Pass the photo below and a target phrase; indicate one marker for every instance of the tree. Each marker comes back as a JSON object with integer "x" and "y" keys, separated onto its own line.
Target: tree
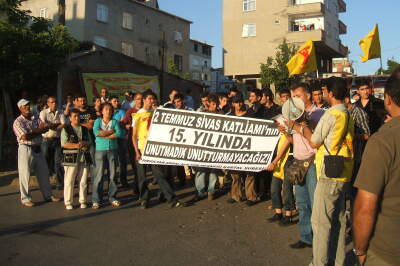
{"x": 31, "y": 54}
{"x": 172, "y": 68}
{"x": 391, "y": 66}
{"x": 274, "y": 71}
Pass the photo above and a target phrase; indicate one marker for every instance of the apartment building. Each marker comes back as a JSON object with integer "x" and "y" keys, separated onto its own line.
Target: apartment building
{"x": 200, "y": 58}
{"x": 253, "y": 29}
{"x": 135, "y": 28}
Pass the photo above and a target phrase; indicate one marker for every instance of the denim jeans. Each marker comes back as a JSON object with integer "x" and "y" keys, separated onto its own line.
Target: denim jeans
{"x": 305, "y": 200}
{"x": 329, "y": 222}
{"x": 276, "y": 196}
{"x": 288, "y": 195}
{"x": 104, "y": 158}
{"x": 159, "y": 173}
{"x": 122, "y": 160}
{"x": 200, "y": 180}
{"x": 51, "y": 149}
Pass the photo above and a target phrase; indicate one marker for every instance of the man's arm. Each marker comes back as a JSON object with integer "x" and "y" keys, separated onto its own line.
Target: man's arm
{"x": 89, "y": 125}
{"x": 365, "y": 209}
{"x": 281, "y": 152}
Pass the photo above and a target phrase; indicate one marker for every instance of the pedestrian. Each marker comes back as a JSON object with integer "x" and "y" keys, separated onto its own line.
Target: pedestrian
{"x": 140, "y": 129}
{"x": 107, "y": 132}
{"x": 376, "y": 214}
{"x": 75, "y": 141}
{"x": 333, "y": 137}
{"x": 201, "y": 172}
{"x": 317, "y": 98}
{"x": 303, "y": 164}
{"x": 373, "y": 106}
{"x": 171, "y": 97}
{"x": 128, "y": 103}
{"x": 204, "y": 102}
{"x": 51, "y": 139}
{"x": 243, "y": 183}
{"x": 119, "y": 115}
{"x": 271, "y": 108}
{"x": 104, "y": 97}
{"x": 28, "y": 131}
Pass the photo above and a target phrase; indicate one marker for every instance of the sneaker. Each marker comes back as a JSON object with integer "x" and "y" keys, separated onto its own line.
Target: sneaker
{"x": 69, "y": 207}
{"x": 196, "y": 198}
{"x": 231, "y": 201}
{"x": 277, "y": 217}
{"x": 286, "y": 221}
{"x": 144, "y": 204}
{"x": 83, "y": 205}
{"x": 300, "y": 245}
{"x": 178, "y": 204}
{"x": 53, "y": 199}
{"x": 95, "y": 206}
{"x": 28, "y": 204}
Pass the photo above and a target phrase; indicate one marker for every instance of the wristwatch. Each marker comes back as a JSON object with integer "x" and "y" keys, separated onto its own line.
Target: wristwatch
{"x": 359, "y": 254}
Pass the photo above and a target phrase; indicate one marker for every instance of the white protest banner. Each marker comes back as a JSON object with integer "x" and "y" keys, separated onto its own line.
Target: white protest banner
{"x": 179, "y": 137}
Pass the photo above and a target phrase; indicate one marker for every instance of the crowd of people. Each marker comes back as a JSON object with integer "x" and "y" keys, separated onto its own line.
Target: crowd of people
{"x": 337, "y": 147}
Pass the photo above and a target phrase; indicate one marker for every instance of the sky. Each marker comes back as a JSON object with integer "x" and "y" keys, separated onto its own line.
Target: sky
{"x": 360, "y": 19}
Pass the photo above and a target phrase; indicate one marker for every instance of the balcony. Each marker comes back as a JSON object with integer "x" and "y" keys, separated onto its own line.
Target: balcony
{"x": 311, "y": 9}
{"x": 342, "y": 6}
{"x": 343, "y": 50}
{"x": 342, "y": 28}
{"x": 303, "y": 36}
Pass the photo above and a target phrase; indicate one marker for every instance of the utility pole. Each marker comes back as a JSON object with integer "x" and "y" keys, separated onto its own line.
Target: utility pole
{"x": 61, "y": 12}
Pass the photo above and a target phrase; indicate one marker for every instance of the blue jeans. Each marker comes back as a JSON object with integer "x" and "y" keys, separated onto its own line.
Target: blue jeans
{"x": 104, "y": 158}
{"x": 200, "y": 180}
{"x": 305, "y": 200}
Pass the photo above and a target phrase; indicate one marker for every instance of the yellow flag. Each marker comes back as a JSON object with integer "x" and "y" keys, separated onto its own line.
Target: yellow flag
{"x": 371, "y": 45}
{"x": 304, "y": 60}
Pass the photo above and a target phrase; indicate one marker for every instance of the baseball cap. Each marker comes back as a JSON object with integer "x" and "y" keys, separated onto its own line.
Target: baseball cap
{"x": 22, "y": 102}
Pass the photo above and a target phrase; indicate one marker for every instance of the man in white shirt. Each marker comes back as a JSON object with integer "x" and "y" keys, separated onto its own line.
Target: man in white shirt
{"x": 51, "y": 146}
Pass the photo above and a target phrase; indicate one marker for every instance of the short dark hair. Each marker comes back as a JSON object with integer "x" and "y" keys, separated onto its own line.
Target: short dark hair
{"x": 303, "y": 85}
{"x": 392, "y": 87}
{"x": 80, "y": 95}
{"x": 96, "y": 98}
{"x": 149, "y": 92}
{"x": 234, "y": 89}
{"x": 114, "y": 97}
{"x": 316, "y": 88}
{"x": 268, "y": 93}
{"x": 222, "y": 95}
{"x": 204, "y": 95}
{"x": 338, "y": 87}
{"x": 283, "y": 91}
{"x": 238, "y": 98}
{"x": 213, "y": 98}
{"x": 73, "y": 111}
{"x": 106, "y": 104}
{"x": 179, "y": 96}
{"x": 257, "y": 92}
{"x": 363, "y": 82}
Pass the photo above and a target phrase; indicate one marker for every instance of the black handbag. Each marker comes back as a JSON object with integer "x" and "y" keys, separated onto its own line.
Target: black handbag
{"x": 334, "y": 164}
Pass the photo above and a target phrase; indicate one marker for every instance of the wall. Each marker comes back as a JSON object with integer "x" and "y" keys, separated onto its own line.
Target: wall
{"x": 147, "y": 33}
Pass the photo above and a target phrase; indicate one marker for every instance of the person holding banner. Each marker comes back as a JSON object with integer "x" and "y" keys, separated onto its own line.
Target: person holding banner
{"x": 107, "y": 132}
{"x": 243, "y": 183}
{"x": 140, "y": 129}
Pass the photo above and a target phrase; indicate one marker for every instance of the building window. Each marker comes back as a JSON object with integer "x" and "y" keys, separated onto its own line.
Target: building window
{"x": 147, "y": 51}
{"x": 205, "y": 64}
{"x": 178, "y": 61}
{"x": 196, "y": 47}
{"x": 102, "y": 13}
{"x": 249, "y": 5}
{"x": 43, "y": 13}
{"x": 127, "y": 20}
{"x": 206, "y": 50}
{"x": 146, "y": 20}
{"x": 101, "y": 41}
{"x": 249, "y": 30}
{"x": 127, "y": 49}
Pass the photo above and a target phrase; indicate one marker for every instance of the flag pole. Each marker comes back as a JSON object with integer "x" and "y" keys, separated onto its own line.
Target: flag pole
{"x": 380, "y": 59}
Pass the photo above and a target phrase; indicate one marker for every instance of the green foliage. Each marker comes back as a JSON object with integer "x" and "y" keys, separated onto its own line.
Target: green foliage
{"x": 31, "y": 55}
{"x": 172, "y": 68}
{"x": 274, "y": 70}
{"x": 391, "y": 66}
{"x": 186, "y": 76}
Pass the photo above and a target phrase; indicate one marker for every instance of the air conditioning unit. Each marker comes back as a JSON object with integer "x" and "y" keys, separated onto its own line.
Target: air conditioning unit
{"x": 178, "y": 38}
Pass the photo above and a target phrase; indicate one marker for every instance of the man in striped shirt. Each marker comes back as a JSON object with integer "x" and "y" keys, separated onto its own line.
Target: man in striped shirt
{"x": 29, "y": 136}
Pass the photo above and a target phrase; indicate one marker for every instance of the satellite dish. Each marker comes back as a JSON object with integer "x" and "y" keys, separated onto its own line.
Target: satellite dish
{"x": 293, "y": 109}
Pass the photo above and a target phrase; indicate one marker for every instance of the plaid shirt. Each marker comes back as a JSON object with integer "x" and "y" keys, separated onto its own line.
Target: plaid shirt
{"x": 24, "y": 126}
{"x": 361, "y": 120}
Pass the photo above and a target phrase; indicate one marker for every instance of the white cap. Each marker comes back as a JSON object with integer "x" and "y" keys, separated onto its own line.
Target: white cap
{"x": 22, "y": 102}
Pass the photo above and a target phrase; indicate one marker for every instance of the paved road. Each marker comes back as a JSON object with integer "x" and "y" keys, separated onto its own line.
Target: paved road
{"x": 207, "y": 233}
